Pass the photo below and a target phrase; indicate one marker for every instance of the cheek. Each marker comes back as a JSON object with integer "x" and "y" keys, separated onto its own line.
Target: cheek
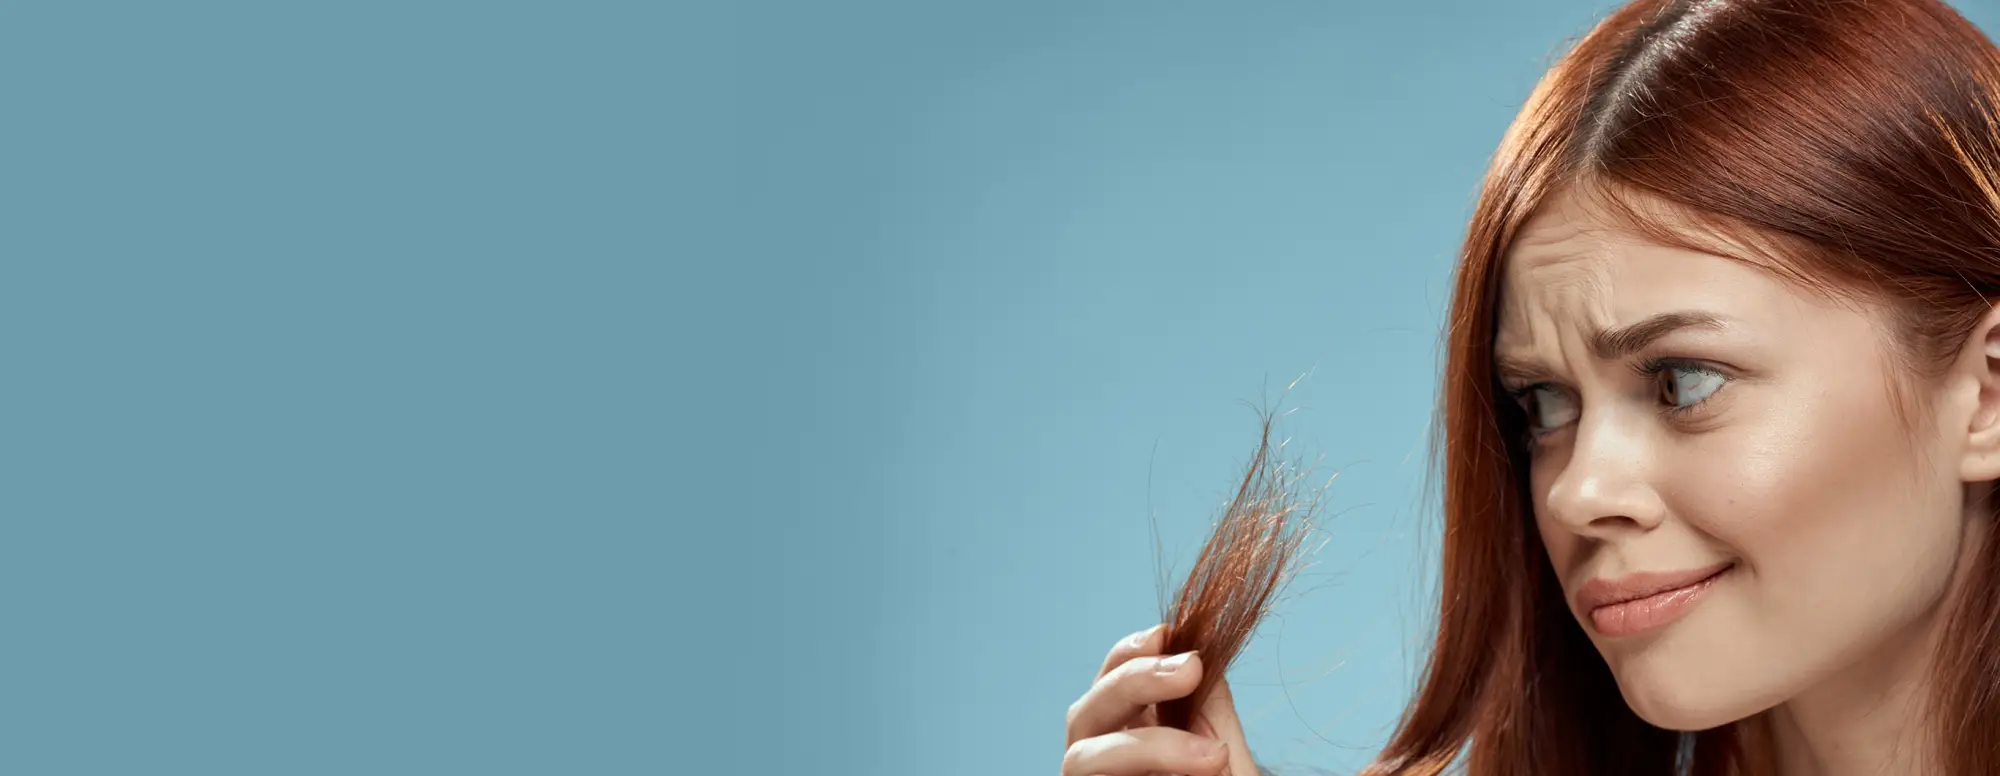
{"x": 1818, "y": 484}
{"x": 1844, "y": 536}
{"x": 1561, "y": 543}
{"x": 1562, "y": 546}
{"x": 1845, "y": 531}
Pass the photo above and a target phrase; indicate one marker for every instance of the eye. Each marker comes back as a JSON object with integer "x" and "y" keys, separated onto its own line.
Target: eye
{"x": 1549, "y": 408}
{"x": 1685, "y": 385}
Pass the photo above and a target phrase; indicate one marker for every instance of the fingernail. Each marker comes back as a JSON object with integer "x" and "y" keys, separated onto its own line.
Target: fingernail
{"x": 1174, "y": 663}
{"x": 1139, "y": 639}
{"x": 1208, "y": 748}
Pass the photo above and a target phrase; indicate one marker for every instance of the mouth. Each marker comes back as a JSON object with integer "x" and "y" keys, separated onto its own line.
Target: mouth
{"x": 1638, "y": 603}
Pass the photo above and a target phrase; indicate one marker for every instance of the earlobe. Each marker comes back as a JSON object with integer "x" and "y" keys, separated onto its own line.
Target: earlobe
{"x": 1982, "y": 360}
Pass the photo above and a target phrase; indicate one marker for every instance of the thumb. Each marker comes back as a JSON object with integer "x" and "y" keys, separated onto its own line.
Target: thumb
{"x": 1217, "y": 719}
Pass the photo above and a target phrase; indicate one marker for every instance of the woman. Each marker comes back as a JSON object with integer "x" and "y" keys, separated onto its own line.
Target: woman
{"x": 1721, "y": 418}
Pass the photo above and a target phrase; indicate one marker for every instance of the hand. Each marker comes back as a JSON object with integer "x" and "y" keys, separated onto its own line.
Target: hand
{"x": 1113, "y": 731}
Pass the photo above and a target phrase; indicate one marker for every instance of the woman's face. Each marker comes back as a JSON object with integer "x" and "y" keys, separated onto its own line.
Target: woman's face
{"x": 1691, "y": 413}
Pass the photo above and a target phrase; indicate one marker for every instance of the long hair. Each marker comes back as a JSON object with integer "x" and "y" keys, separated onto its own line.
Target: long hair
{"x": 1851, "y": 144}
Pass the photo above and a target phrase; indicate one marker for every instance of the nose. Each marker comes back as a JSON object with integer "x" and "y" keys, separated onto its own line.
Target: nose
{"x": 1602, "y": 488}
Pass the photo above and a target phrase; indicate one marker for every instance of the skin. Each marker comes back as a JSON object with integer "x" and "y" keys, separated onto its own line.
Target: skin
{"x": 1112, "y": 731}
{"x": 1766, "y": 436}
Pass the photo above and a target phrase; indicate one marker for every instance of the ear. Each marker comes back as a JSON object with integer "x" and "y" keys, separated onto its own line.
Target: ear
{"x": 1980, "y": 361}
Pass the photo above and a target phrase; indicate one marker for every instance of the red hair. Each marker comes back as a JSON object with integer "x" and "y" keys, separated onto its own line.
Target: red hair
{"x": 1247, "y": 561}
{"x": 1852, "y": 146}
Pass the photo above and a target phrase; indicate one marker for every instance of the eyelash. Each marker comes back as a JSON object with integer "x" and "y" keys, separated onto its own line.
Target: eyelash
{"x": 1650, "y": 369}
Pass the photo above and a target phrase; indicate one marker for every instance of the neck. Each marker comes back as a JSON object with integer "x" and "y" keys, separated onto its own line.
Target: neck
{"x": 1863, "y": 723}
{"x": 1868, "y": 720}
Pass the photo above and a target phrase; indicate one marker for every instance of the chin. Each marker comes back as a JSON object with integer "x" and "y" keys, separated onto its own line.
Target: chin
{"x": 1683, "y": 700}
{"x": 1682, "y": 716}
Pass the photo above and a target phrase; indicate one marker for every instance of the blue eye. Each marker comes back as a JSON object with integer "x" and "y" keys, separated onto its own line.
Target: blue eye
{"x": 1685, "y": 385}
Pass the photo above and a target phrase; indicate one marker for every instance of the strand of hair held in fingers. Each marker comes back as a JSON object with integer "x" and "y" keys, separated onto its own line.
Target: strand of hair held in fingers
{"x": 1248, "y": 558}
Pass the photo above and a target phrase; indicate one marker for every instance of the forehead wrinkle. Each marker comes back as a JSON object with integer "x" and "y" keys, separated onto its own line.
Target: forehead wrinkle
{"x": 1564, "y": 287}
{"x": 1556, "y": 281}
{"x": 1570, "y": 264}
{"x": 1564, "y": 250}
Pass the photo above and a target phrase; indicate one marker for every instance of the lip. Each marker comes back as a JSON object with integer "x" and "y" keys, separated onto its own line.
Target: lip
{"x": 1645, "y": 600}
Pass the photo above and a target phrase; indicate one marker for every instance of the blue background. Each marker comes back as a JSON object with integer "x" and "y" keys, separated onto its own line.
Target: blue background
{"x": 641, "y": 388}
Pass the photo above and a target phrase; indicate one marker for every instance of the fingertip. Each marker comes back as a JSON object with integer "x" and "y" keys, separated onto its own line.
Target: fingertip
{"x": 1184, "y": 662}
{"x": 1145, "y": 643}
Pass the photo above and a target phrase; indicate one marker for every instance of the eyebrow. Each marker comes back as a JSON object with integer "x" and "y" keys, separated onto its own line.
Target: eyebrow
{"x": 1612, "y": 344}
{"x": 1626, "y": 340}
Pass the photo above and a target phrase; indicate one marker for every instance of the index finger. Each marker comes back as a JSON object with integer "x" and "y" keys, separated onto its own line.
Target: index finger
{"x": 1144, "y": 643}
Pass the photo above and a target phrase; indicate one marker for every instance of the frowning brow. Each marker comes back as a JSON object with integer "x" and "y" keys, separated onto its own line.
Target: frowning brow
{"x": 1611, "y": 344}
{"x": 1625, "y": 340}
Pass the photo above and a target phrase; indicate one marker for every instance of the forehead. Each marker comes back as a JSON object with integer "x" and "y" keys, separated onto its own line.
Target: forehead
{"x": 1562, "y": 254}
{"x": 1570, "y": 266}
